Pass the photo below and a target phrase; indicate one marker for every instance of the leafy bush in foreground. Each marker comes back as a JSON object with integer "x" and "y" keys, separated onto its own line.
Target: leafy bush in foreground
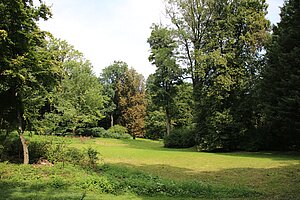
{"x": 115, "y": 180}
{"x": 53, "y": 150}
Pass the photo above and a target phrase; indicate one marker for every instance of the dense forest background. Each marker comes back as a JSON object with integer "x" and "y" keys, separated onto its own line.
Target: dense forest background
{"x": 225, "y": 80}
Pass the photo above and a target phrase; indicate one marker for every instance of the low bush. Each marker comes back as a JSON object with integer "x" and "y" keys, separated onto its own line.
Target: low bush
{"x": 53, "y": 151}
{"x": 118, "y": 129}
{"x": 116, "y": 132}
{"x": 11, "y": 148}
{"x": 95, "y": 132}
{"x": 181, "y": 138}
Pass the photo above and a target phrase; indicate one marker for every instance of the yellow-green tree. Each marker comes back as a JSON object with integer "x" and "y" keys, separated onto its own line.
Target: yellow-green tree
{"x": 131, "y": 93}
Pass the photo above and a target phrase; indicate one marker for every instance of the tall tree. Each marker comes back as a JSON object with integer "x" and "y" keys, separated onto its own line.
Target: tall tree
{"x": 27, "y": 73}
{"x": 131, "y": 91}
{"x": 79, "y": 100}
{"x": 280, "y": 90}
{"x": 167, "y": 74}
{"x": 155, "y": 120}
{"x": 184, "y": 106}
{"x": 109, "y": 78}
{"x": 221, "y": 43}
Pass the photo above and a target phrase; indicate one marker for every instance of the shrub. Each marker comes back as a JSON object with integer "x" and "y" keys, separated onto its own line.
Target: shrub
{"x": 73, "y": 155}
{"x": 118, "y": 132}
{"x": 55, "y": 152}
{"x": 95, "y": 132}
{"x": 11, "y": 148}
{"x": 37, "y": 150}
{"x": 58, "y": 151}
{"x": 181, "y": 138}
{"x": 92, "y": 156}
{"x": 118, "y": 129}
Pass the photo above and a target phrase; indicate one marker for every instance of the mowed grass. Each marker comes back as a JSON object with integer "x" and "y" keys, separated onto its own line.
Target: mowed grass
{"x": 272, "y": 174}
{"x": 241, "y": 175}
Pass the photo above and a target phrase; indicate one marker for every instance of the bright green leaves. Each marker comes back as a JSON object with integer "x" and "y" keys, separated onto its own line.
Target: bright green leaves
{"x": 79, "y": 99}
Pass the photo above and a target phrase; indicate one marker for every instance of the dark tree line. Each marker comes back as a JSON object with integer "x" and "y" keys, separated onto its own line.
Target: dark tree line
{"x": 280, "y": 85}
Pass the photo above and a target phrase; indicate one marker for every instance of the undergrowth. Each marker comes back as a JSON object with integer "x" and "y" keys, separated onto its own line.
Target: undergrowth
{"x": 104, "y": 179}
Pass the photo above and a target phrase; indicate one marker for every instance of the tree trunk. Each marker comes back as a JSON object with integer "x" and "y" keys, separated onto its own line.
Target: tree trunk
{"x": 25, "y": 149}
{"x": 168, "y": 123}
{"x": 111, "y": 120}
{"x": 24, "y": 143}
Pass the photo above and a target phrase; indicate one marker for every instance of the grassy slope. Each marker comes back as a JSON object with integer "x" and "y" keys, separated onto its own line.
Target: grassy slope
{"x": 274, "y": 176}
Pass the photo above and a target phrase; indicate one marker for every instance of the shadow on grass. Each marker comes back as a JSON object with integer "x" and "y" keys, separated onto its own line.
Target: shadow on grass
{"x": 159, "y": 146}
{"x": 274, "y": 155}
{"x": 274, "y": 183}
{"x": 238, "y": 183}
{"x": 18, "y": 190}
{"x": 153, "y": 145}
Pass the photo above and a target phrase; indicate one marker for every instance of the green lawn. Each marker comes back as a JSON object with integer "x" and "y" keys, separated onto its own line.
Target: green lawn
{"x": 238, "y": 175}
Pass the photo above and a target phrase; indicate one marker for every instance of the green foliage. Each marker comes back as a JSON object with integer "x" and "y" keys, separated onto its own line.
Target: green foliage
{"x": 53, "y": 150}
{"x": 162, "y": 84}
{"x": 184, "y": 104}
{"x": 11, "y": 147}
{"x": 98, "y": 184}
{"x": 92, "y": 156}
{"x": 79, "y": 101}
{"x": 154, "y": 172}
{"x": 112, "y": 180}
{"x": 132, "y": 104}
{"x": 28, "y": 72}
{"x": 118, "y": 129}
{"x": 60, "y": 152}
{"x": 221, "y": 45}
{"x": 109, "y": 78}
{"x": 155, "y": 124}
{"x": 94, "y": 132}
{"x": 118, "y": 132}
{"x": 183, "y": 137}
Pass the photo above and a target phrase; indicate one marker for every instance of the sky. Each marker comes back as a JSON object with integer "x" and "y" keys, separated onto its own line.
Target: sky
{"x": 114, "y": 30}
